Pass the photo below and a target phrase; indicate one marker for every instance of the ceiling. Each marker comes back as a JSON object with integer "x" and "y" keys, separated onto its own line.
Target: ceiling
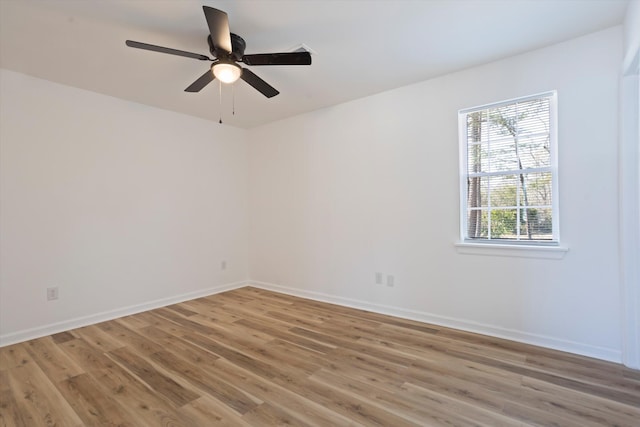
{"x": 359, "y": 47}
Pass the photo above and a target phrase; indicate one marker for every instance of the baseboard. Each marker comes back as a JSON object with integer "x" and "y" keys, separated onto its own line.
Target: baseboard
{"x": 465, "y": 325}
{"x": 607, "y": 354}
{"x": 54, "y": 328}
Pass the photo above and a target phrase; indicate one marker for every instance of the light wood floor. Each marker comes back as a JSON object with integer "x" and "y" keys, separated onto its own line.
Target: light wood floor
{"x": 250, "y": 357}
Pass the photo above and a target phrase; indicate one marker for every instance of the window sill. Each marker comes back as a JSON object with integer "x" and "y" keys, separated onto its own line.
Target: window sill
{"x": 522, "y": 251}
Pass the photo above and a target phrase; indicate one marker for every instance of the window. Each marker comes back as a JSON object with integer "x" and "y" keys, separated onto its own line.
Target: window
{"x": 508, "y": 162}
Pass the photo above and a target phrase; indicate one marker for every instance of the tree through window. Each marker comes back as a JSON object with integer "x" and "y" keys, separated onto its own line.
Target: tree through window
{"x": 509, "y": 190}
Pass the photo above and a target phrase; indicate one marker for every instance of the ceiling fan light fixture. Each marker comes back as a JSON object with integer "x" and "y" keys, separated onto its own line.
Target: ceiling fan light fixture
{"x": 226, "y": 72}
{"x": 228, "y": 50}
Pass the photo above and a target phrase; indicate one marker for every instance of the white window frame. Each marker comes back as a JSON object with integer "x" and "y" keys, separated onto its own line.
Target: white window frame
{"x": 508, "y": 247}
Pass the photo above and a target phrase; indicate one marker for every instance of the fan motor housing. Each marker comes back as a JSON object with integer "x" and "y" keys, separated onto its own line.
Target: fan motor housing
{"x": 238, "y": 45}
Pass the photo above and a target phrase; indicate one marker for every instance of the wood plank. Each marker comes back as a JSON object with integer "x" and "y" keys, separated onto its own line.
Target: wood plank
{"x": 225, "y": 392}
{"x": 285, "y": 335}
{"x": 338, "y": 400}
{"x": 206, "y": 411}
{"x": 13, "y": 356}
{"x": 304, "y": 408}
{"x": 180, "y": 347}
{"x": 157, "y": 381}
{"x": 62, "y": 337}
{"x": 10, "y": 413}
{"x": 97, "y": 338}
{"x": 629, "y": 397}
{"x": 130, "y": 338}
{"x": 271, "y": 415}
{"x": 241, "y": 359}
{"x": 182, "y": 309}
{"x": 133, "y": 322}
{"x": 589, "y": 408}
{"x": 446, "y": 410}
{"x": 38, "y": 400}
{"x": 53, "y": 361}
{"x": 355, "y": 345}
{"x": 143, "y": 405}
{"x": 91, "y": 404}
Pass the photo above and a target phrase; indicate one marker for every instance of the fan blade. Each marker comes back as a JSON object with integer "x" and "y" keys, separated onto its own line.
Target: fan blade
{"x": 218, "y": 22}
{"x": 170, "y": 51}
{"x": 260, "y": 85}
{"x": 288, "y": 58}
{"x": 202, "y": 81}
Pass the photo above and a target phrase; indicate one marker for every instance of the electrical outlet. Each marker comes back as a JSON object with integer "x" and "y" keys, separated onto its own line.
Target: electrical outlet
{"x": 378, "y": 278}
{"x": 52, "y": 293}
{"x": 390, "y": 281}
{"x": 223, "y": 265}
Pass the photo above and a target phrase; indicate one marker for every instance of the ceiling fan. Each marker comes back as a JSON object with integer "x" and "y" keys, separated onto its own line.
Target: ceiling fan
{"x": 228, "y": 49}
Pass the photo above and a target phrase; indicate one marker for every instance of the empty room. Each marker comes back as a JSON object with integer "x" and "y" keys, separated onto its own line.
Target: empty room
{"x": 320, "y": 213}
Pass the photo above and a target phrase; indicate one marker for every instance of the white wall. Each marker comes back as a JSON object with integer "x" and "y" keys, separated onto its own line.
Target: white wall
{"x": 120, "y": 205}
{"x": 372, "y": 186}
{"x": 629, "y": 178}
{"x": 632, "y": 34}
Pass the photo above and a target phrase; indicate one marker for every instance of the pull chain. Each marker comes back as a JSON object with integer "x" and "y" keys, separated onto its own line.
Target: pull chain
{"x": 220, "y": 96}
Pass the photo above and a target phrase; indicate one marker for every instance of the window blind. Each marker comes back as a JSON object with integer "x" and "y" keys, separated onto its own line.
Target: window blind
{"x": 509, "y": 185}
